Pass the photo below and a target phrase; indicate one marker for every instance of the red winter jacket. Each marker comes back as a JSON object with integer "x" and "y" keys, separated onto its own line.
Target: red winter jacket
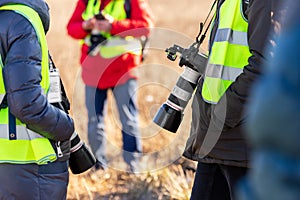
{"x": 106, "y": 73}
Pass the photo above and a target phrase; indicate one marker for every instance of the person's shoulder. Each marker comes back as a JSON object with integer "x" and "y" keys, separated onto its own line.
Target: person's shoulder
{"x": 12, "y": 19}
{"x": 16, "y": 25}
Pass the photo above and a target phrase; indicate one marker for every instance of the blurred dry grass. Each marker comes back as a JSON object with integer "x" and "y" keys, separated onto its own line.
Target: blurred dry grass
{"x": 161, "y": 178}
{"x": 167, "y": 183}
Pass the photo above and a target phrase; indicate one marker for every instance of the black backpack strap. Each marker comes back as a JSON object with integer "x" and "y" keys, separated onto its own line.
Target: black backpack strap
{"x": 245, "y": 7}
{"x": 127, "y": 7}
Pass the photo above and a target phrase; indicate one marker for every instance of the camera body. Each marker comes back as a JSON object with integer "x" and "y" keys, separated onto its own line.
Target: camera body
{"x": 190, "y": 57}
{"x": 96, "y": 37}
{"x": 170, "y": 114}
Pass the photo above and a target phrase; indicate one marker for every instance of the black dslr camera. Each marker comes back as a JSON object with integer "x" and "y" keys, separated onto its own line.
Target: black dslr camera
{"x": 170, "y": 114}
{"x": 96, "y": 37}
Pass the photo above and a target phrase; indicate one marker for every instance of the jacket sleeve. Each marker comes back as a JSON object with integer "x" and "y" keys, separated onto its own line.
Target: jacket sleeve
{"x": 22, "y": 76}
{"x": 74, "y": 26}
{"x": 259, "y": 27}
{"x": 140, "y": 21}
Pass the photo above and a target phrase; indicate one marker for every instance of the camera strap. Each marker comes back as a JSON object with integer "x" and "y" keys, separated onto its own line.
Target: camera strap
{"x": 200, "y": 38}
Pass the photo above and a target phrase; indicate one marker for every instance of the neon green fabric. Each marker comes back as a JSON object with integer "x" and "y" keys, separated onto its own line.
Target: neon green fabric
{"x": 114, "y": 8}
{"x": 229, "y": 52}
{"x": 2, "y": 88}
{"x": 91, "y": 9}
{"x": 36, "y": 149}
{"x": 115, "y": 46}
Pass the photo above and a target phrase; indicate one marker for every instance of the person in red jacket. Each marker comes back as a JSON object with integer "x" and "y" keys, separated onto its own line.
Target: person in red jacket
{"x": 110, "y": 32}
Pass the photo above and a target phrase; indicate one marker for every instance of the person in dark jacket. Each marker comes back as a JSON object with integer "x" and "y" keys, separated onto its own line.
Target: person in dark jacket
{"x": 29, "y": 165}
{"x": 274, "y": 115}
{"x": 236, "y": 50}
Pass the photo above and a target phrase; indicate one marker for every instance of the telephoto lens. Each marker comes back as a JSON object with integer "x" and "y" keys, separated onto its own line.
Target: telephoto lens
{"x": 170, "y": 114}
{"x": 81, "y": 158}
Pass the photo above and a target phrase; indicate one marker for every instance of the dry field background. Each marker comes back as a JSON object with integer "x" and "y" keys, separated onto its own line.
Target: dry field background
{"x": 161, "y": 175}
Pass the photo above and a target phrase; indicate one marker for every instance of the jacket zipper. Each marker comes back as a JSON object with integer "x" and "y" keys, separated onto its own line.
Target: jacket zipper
{"x": 59, "y": 151}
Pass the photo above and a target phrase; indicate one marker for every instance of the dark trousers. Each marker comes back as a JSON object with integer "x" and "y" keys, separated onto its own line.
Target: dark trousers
{"x": 34, "y": 182}
{"x": 125, "y": 99}
{"x": 216, "y": 182}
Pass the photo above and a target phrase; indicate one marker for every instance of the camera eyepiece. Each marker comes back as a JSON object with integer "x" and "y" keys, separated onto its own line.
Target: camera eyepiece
{"x": 171, "y": 55}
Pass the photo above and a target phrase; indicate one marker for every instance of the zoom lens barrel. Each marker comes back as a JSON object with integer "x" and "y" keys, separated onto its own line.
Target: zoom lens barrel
{"x": 170, "y": 114}
{"x": 184, "y": 88}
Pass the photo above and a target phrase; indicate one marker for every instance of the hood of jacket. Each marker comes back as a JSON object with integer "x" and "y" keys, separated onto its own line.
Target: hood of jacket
{"x": 40, "y": 6}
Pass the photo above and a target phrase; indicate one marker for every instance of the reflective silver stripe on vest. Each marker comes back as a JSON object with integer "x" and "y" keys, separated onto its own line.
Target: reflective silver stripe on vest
{"x": 22, "y": 133}
{"x": 1, "y": 63}
{"x": 231, "y": 36}
{"x": 1, "y": 97}
{"x": 223, "y": 72}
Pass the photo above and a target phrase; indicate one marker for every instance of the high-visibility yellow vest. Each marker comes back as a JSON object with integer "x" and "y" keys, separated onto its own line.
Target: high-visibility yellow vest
{"x": 2, "y": 89}
{"x": 229, "y": 52}
{"x": 114, "y": 45}
{"x": 25, "y": 146}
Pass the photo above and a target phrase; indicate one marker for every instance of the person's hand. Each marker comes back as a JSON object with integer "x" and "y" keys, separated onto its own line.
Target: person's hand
{"x": 103, "y": 25}
{"x": 88, "y": 24}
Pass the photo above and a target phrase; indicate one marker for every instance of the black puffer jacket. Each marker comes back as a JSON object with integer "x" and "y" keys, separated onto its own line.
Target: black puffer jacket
{"x": 217, "y": 140}
{"x": 21, "y": 55}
